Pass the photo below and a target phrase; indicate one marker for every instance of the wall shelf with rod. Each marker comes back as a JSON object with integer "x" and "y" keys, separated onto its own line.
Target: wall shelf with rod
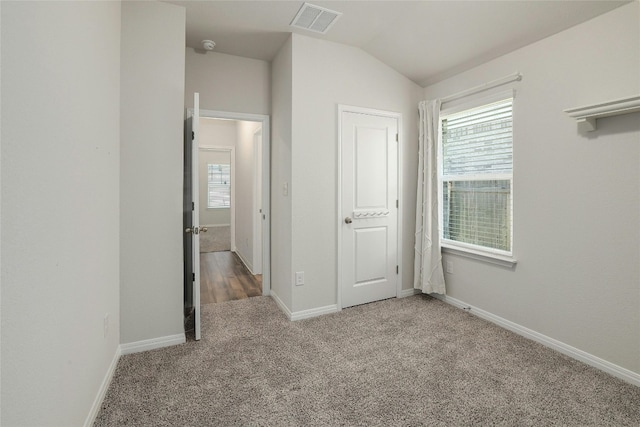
{"x": 586, "y": 116}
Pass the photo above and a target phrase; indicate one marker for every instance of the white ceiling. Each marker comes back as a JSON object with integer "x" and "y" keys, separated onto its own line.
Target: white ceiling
{"x": 425, "y": 40}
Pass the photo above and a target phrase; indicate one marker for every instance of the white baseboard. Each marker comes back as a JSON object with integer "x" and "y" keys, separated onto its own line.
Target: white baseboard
{"x": 133, "y": 347}
{"x": 575, "y": 353}
{"x": 304, "y": 314}
{"x": 102, "y": 391}
{"x": 245, "y": 262}
{"x": 314, "y": 312}
{"x": 280, "y": 304}
{"x": 152, "y": 344}
{"x": 409, "y": 293}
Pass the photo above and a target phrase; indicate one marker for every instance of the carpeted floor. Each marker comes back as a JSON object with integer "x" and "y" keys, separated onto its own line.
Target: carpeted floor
{"x": 216, "y": 239}
{"x": 412, "y": 361}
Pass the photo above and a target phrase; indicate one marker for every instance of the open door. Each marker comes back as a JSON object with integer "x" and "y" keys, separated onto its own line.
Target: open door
{"x": 191, "y": 219}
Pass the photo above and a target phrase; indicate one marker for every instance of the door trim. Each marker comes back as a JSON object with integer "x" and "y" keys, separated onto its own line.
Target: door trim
{"x": 257, "y": 201}
{"x": 266, "y": 183}
{"x": 372, "y": 112}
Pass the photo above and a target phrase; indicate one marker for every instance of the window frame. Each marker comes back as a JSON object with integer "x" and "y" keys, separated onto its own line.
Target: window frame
{"x": 478, "y": 252}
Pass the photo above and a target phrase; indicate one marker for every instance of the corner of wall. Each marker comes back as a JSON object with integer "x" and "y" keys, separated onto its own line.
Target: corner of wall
{"x": 281, "y": 131}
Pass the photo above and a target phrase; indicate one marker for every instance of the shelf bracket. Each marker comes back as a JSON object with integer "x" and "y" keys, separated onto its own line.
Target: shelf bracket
{"x": 587, "y": 124}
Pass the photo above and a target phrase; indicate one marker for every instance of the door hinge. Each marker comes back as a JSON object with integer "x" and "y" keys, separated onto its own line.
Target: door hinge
{"x": 193, "y": 206}
{"x": 193, "y": 135}
{"x": 396, "y": 137}
{"x": 397, "y": 269}
{"x": 193, "y": 277}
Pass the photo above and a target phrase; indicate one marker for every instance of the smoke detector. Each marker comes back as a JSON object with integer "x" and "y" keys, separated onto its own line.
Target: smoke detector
{"x": 208, "y": 44}
{"x": 315, "y": 18}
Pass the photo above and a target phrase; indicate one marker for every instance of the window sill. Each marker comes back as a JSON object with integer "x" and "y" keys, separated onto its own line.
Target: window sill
{"x": 501, "y": 260}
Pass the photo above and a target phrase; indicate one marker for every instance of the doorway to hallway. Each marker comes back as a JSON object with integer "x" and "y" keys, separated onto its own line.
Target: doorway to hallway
{"x": 248, "y": 213}
{"x": 230, "y": 208}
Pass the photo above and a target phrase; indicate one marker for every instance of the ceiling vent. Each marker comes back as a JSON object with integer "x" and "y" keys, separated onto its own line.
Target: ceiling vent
{"x": 315, "y": 18}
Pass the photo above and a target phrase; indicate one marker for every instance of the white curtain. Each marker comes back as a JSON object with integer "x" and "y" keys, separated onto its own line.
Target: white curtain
{"x": 428, "y": 273}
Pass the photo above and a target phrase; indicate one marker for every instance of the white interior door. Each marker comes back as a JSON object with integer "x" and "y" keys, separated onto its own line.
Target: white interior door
{"x": 195, "y": 212}
{"x": 369, "y": 207}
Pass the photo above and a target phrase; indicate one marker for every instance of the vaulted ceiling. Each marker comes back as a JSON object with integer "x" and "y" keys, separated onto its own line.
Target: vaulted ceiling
{"x": 426, "y": 40}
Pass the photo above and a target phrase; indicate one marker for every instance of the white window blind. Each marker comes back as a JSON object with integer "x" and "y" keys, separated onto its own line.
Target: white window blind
{"x": 476, "y": 175}
{"x": 219, "y": 186}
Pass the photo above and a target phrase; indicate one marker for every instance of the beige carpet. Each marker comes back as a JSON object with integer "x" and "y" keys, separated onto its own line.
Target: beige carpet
{"x": 216, "y": 239}
{"x": 400, "y": 362}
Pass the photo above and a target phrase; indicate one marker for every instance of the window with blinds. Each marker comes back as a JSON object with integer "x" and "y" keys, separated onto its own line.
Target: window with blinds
{"x": 476, "y": 175}
{"x": 219, "y": 186}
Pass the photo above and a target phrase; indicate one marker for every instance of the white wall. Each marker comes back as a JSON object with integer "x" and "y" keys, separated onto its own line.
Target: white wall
{"x": 227, "y": 82}
{"x": 282, "y": 85}
{"x": 245, "y": 177}
{"x": 213, "y": 132}
{"x": 576, "y": 196}
{"x": 152, "y": 95}
{"x": 0, "y": 223}
{"x": 326, "y": 74}
{"x": 60, "y": 156}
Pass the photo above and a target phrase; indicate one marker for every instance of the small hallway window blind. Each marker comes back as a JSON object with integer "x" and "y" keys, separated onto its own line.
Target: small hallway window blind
{"x": 219, "y": 186}
{"x": 477, "y": 175}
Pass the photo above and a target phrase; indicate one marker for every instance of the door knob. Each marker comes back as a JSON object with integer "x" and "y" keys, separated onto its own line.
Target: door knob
{"x": 348, "y": 220}
{"x": 195, "y": 230}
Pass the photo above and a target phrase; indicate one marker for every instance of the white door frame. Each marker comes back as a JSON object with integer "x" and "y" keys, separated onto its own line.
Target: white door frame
{"x": 232, "y": 208}
{"x": 257, "y": 215}
{"x": 390, "y": 114}
{"x": 266, "y": 182}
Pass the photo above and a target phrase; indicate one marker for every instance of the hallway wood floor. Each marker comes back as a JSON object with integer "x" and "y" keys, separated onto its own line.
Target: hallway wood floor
{"x": 223, "y": 277}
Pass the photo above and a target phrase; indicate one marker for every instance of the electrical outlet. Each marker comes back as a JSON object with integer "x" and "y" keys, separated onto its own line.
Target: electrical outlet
{"x": 449, "y": 267}
{"x": 299, "y": 278}
{"x": 106, "y": 325}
